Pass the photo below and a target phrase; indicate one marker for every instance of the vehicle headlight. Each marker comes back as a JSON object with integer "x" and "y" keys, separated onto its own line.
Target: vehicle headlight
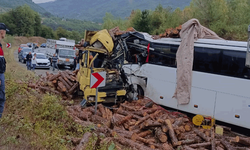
{"x": 60, "y": 61}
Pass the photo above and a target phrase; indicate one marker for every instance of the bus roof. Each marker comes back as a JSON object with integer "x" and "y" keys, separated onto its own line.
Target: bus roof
{"x": 208, "y": 43}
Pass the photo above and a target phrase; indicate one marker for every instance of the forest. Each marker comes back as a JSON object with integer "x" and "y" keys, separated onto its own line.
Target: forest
{"x": 24, "y": 21}
{"x": 228, "y": 18}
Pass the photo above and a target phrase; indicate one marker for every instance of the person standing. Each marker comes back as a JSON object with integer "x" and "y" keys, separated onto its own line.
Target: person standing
{"x": 54, "y": 62}
{"x": 28, "y": 61}
{"x": 33, "y": 62}
{"x": 3, "y": 30}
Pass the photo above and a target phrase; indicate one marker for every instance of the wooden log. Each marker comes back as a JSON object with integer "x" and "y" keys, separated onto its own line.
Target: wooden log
{"x": 72, "y": 78}
{"x": 142, "y": 119}
{"x": 123, "y": 120}
{"x": 205, "y": 144}
{"x": 161, "y": 135}
{"x": 49, "y": 90}
{"x": 149, "y": 124}
{"x": 54, "y": 77}
{"x": 164, "y": 128}
{"x": 145, "y": 133}
{"x": 130, "y": 143}
{"x": 67, "y": 74}
{"x": 219, "y": 148}
{"x": 174, "y": 140}
{"x": 202, "y": 135}
{"x": 125, "y": 113}
{"x": 62, "y": 87}
{"x": 128, "y": 107}
{"x": 102, "y": 110}
{"x": 187, "y": 135}
{"x": 91, "y": 109}
{"x": 64, "y": 83}
{"x": 188, "y": 127}
{"x": 84, "y": 115}
{"x": 54, "y": 81}
{"x": 69, "y": 82}
{"x": 179, "y": 122}
{"x": 84, "y": 141}
{"x": 166, "y": 146}
{"x": 226, "y": 144}
{"x": 124, "y": 133}
{"x": 155, "y": 114}
{"x": 213, "y": 146}
{"x": 187, "y": 147}
{"x": 241, "y": 148}
{"x": 97, "y": 119}
{"x": 244, "y": 141}
{"x": 151, "y": 110}
{"x": 189, "y": 141}
{"x": 146, "y": 141}
{"x": 73, "y": 88}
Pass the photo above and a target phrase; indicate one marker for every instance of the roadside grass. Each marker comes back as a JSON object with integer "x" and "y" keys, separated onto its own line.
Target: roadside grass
{"x": 32, "y": 120}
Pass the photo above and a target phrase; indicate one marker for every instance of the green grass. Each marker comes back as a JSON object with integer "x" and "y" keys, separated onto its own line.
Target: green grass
{"x": 32, "y": 120}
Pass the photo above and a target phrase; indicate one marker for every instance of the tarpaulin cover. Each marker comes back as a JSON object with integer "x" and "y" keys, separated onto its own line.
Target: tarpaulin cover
{"x": 191, "y": 31}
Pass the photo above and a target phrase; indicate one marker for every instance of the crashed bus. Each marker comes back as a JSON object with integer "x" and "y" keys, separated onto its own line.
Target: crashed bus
{"x": 220, "y": 76}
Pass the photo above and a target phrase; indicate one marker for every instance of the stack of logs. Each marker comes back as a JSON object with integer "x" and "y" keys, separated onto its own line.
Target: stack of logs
{"x": 169, "y": 33}
{"x": 143, "y": 125}
{"x": 63, "y": 83}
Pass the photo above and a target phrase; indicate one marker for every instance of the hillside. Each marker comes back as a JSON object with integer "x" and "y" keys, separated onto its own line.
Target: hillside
{"x": 7, "y": 5}
{"x": 95, "y": 10}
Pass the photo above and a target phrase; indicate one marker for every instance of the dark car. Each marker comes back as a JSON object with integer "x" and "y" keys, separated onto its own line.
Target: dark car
{"x": 22, "y": 55}
{"x": 43, "y": 45}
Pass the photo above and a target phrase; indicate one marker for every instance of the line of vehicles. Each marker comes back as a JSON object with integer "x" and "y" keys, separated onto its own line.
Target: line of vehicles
{"x": 63, "y": 48}
{"x": 220, "y": 82}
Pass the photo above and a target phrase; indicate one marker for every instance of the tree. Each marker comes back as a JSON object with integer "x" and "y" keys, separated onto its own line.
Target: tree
{"x": 60, "y": 32}
{"x": 47, "y": 32}
{"x": 143, "y": 23}
{"x": 37, "y": 25}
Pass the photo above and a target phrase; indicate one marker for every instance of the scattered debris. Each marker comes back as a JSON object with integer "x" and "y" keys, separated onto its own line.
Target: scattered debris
{"x": 130, "y": 126}
{"x": 64, "y": 83}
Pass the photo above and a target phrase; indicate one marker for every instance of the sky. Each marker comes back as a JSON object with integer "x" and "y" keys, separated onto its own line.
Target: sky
{"x": 42, "y": 1}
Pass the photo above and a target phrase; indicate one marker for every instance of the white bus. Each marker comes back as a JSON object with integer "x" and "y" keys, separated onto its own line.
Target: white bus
{"x": 220, "y": 78}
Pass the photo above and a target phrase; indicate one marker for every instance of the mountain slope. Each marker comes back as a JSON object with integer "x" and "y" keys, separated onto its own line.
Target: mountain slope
{"x": 6, "y": 5}
{"x": 95, "y": 9}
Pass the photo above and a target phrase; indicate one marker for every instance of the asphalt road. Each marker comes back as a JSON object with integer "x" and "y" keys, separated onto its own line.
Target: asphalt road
{"x": 38, "y": 71}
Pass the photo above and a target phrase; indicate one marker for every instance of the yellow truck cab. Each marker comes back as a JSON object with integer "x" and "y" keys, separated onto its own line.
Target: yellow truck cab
{"x": 92, "y": 58}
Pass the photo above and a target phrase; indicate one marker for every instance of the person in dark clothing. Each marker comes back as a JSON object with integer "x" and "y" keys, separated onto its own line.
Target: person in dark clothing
{"x": 28, "y": 61}
{"x": 3, "y": 30}
{"x": 54, "y": 62}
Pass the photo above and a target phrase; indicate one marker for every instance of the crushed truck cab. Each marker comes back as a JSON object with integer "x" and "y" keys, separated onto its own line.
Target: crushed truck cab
{"x": 92, "y": 59}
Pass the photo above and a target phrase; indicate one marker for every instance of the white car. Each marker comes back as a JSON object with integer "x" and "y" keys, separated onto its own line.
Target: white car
{"x": 42, "y": 61}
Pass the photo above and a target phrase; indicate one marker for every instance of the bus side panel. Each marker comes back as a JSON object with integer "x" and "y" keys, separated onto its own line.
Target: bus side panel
{"x": 229, "y": 106}
{"x": 202, "y": 102}
{"x": 161, "y": 92}
{"x": 161, "y": 83}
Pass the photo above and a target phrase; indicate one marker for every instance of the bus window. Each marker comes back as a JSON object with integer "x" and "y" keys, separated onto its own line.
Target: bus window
{"x": 207, "y": 60}
{"x": 233, "y": 63}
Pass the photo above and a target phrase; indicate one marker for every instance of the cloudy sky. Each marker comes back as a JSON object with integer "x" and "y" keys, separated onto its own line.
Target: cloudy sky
{"x": 42, "y": 1}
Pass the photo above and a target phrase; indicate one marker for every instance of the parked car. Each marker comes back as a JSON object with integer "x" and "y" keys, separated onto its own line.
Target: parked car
{"x": 43, "y": 45}
{"x": 42, "y": 61}
{"x": 23, "y": 53}
{"x": 21, "y": 47}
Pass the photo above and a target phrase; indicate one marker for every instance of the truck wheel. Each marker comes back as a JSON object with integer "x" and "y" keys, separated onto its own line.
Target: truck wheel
{"x": 135, "y": 92}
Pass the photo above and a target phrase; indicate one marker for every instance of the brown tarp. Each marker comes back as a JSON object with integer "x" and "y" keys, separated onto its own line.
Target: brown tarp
{"x": 191, "y": 31}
